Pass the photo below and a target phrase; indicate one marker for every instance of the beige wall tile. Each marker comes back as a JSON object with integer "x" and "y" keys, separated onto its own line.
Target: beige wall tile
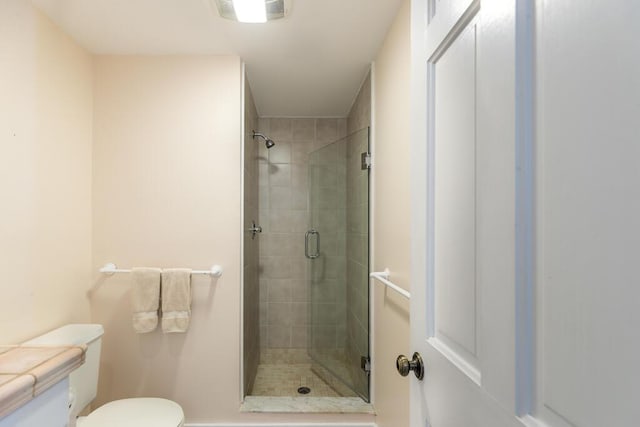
{"x": 275, "y": 267}
{"x": 264, "y": 318}
{"x": 326, "y": 130}
{"x": 304, "y": 130}
{"x": 280, "y": 290}
{"x": 279, "y": 198}
{"x": 280, "y": 221}
{"x": 280, "y": 153}
{"x": 299, "y": 336}
{"x": 263, "y": 336}
{"x": 280, "y": 130}
{"x": 342, "y": 128}
{"x": 326, "y": 314}
{"x": 300, "y": 152}
{"x": 264, "y": 126}
{"x": 297, "y": 244}
{"x": 299, "y": 265}
{"x": 299, "y": 222}
{"x": 263, "y": 198}
{"x": 300, "y": 291}
{"x": 279, "y": 313}
{"x": 323, "y": 336}
{"x": 278, "y": 336}
{"x": 263, "y": 284}
{"x": 299, "y": 176}
{"x": 280, "y": 175}
{"x": 300, "y": 199}
{"x": 300, "y": 313}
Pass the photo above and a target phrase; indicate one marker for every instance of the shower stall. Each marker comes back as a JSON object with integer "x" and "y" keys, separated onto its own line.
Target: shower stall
{"x": 309, "y": 296}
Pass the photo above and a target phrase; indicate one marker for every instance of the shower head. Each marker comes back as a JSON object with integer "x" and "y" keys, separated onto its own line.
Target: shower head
{"x": 268, "y": 142}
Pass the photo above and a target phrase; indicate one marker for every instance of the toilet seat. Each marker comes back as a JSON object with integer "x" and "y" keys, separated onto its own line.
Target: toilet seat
{"x": 137, "y": 412}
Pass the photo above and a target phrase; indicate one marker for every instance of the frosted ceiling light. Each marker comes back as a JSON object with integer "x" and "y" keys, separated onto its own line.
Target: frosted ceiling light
{"x": 252, "y": 11}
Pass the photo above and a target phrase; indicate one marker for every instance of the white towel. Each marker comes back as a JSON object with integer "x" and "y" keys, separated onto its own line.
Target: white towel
{"x": 145, "y": 298}
{"x": 176, "y": 299}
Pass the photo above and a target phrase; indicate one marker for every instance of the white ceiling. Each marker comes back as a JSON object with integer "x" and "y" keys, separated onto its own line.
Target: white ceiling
{"x": 309, "y": 64}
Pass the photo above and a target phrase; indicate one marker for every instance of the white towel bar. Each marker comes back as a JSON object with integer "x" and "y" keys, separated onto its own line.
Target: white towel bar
{"x": 383, "y": 277}
{"x": 111, "y": 268}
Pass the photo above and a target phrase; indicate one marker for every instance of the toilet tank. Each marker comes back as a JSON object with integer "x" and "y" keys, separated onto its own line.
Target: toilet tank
{"x": 84, "y": 380}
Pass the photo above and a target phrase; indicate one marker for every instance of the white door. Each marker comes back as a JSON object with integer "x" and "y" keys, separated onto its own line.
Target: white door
{"x": 463, "y": 323}
{"x": 588, "y": 213}
{"x": 525, "y": 291}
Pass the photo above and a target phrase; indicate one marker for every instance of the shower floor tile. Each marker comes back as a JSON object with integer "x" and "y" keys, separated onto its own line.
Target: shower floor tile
{"x": 281, "y": 380}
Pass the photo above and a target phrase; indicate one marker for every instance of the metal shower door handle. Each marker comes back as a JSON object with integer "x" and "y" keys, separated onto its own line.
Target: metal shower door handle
{"x": 306, "y": 244}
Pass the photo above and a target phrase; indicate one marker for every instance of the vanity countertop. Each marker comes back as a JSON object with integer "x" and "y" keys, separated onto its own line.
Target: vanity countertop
{"x": 26, "y": 371}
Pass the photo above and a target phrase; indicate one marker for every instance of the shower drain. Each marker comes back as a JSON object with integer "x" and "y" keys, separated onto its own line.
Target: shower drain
{"x": 304, "y": 390}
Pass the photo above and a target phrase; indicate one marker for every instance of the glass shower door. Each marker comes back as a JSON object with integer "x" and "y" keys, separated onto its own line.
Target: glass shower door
{"x": 337, "y": 248}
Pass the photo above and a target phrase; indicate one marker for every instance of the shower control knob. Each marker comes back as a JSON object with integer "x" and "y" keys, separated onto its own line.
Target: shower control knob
{"x": 254, "y": 229}
{"x": 404, "y": 365}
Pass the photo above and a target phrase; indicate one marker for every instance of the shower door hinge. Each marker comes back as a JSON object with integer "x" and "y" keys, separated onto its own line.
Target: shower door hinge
{"x": 365, "y": 364}
{"x": 365, "y": 159}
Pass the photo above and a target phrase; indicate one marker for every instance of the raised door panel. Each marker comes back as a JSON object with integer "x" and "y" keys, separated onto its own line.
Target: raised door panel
{"x": 455, "y": 290}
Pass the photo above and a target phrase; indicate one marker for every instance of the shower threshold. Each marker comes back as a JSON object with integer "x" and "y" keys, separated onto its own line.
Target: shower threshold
{"x": 307, "y": 405}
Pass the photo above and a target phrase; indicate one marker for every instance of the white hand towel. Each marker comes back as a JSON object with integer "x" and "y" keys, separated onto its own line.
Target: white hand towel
{"x": 176, "y": 299}
{"x": 145, "y": 298}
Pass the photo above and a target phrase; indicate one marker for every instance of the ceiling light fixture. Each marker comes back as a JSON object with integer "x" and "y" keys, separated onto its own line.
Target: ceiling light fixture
{"x": 253, "y": 11}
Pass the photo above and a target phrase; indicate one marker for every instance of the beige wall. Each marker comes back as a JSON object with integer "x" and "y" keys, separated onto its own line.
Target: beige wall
{"x": 167, "y": 168}
{"x": 391, "y": 221}
{"x": 45, "y": 174}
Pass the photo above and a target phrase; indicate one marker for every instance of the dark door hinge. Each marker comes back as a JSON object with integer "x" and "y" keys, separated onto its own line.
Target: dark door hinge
{"x": 365, "y": 159}
{"x": 365, "y": 364}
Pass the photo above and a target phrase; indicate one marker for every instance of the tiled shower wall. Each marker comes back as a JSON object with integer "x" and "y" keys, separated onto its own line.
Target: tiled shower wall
{"x": 251, "y": 250}
{"x": 284, "y": 213}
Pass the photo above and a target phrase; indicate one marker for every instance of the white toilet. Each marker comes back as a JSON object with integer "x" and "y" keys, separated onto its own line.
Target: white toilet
{"x": 136, "y": 412}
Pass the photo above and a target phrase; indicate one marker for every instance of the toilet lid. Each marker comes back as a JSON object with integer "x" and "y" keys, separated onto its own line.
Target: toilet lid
{"x": 138, "y": 412}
